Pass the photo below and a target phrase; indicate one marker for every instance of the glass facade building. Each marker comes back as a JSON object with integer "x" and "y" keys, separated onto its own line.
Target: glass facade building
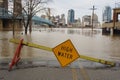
{"x": 71, "y": 16}
{"x": 107, "y": 14}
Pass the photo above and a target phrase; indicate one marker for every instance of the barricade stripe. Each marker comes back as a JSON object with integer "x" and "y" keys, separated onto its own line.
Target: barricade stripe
{"x": 31, "y": 45}
{"x": 98, "y": 60}
{"x": 50, "y": 49}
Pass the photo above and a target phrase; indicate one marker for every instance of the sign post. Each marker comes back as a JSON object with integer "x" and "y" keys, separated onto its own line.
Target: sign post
{"x": 66, "y": 53}
{"x": 16, "y": 57}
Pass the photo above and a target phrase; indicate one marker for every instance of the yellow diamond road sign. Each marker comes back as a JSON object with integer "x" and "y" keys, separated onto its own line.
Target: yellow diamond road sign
{"x": 66, "y": 53}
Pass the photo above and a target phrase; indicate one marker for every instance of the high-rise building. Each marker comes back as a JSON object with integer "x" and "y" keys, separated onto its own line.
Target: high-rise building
{"x": 17, "y": 7}
{"x": 63, "y": 19}
{"x": 107, "y": 14}
{"x": 4, "y": 4}
{"x": 71, "y": 16}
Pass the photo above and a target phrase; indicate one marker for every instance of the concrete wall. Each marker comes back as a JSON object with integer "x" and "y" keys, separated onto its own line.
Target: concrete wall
{"x": 117, "y": 24}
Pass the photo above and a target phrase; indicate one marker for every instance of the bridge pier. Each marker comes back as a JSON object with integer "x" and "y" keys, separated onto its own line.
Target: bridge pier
{"x": 111, "y": 31}
{"x": 105, "y": 30}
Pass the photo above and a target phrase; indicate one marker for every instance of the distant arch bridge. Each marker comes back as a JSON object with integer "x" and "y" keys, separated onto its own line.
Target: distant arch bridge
{"x": 39, "y": 20}
{"x": 5, "y": 14}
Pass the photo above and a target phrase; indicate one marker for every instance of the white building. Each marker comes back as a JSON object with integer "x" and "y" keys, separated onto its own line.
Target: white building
{"x": 87, "y": 21}
{"x": 77, "y": 23}
{"x": 63, "y": 20}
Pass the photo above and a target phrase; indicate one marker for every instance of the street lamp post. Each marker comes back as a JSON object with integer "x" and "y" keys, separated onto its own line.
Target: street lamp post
{"x": 93, "y": 9}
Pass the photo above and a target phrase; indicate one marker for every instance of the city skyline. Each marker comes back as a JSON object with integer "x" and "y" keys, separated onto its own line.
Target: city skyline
{"x": 81, "y": 7}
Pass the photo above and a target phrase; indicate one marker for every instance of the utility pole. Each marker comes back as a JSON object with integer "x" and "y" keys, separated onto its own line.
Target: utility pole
{"x": 93, "y": 9}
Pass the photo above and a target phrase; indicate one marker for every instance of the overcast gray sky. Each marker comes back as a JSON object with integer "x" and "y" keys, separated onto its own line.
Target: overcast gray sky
{"x": 81, "y": 7}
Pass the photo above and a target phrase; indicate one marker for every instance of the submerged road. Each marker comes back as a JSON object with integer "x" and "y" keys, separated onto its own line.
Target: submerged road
{"x": 51, "y": 70}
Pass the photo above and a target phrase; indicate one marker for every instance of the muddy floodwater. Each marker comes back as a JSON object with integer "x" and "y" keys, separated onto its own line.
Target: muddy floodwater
{"x": 86, "y": 42}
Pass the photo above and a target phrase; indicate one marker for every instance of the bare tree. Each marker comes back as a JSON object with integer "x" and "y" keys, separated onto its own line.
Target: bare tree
{"x": 30, "y": 8}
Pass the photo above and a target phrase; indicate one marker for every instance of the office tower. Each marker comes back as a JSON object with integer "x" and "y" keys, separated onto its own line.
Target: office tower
{"x": 63, "y": 19}
{"x": 107, "y": 14}
{"x": 71, "y": 15}
{"x": 17, "y": 7}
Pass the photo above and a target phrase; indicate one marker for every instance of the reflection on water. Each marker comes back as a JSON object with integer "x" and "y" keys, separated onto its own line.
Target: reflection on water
{"x": 85, "y": 32}
{"x": 86, "y": 41}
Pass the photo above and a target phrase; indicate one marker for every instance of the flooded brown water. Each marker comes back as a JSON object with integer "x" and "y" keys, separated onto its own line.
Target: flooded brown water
{"x": 86, "y": 42}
